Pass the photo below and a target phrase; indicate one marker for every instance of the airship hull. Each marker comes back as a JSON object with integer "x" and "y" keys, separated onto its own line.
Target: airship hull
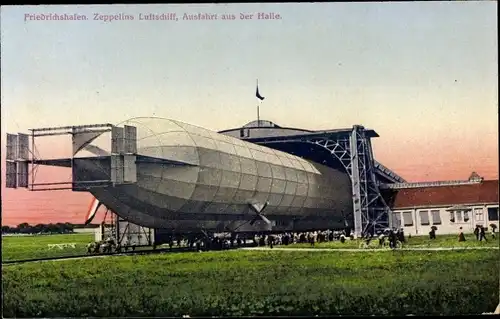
{"x": 216, "y": 178}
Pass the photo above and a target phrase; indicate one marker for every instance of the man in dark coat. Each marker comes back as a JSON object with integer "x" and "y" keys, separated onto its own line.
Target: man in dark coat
{"x": 392, "y": 239}
{"x": 482, "y": 234}
{"x": 476, "y": 232}
{"x": 401, "y": 235}
{"x": 432, "y": 233}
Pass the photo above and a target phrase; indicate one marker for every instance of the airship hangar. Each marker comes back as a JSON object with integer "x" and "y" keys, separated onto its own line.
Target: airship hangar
{"x": 165, "y": 174}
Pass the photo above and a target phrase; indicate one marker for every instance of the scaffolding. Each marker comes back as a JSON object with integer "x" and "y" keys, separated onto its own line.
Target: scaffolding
{"x": 123, "y": 232}
{"x": 20, "y": 155}
{"x": 116, "y": 167}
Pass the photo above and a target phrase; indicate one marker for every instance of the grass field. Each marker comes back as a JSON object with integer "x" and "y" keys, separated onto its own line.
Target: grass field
{"x": 256, "y": 283}
{"x": 32, "y": 247}
{"x": 27, "y": 247}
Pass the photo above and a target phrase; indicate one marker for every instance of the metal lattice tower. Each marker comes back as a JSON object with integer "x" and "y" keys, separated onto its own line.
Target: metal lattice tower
{"x": 371, "y": 213}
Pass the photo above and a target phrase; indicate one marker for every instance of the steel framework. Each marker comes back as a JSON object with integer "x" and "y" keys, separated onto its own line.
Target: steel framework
{"x": 354, "y": 150}
{"x": 122, "y": 157}
{"x": 124, "y": 233}
{"x": 121, "y": 231}
{"x": 20, "y": 155}
{"x": 109, "y": 226}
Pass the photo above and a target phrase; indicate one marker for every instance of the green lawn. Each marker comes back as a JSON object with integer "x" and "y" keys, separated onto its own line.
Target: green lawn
{"x": 36, "y": 246}
{"x": 256, "y": 283}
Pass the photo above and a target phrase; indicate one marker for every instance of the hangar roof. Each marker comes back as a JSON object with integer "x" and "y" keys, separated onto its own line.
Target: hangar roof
{"x": 268, "y": 126}
{"x": 485, "y": 192}
{"x": 261, "y": 123}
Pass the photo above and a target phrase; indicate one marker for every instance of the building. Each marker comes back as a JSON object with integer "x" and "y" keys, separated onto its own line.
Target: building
{"x": 80, "y": 228}
{"x": 447, "y": 205}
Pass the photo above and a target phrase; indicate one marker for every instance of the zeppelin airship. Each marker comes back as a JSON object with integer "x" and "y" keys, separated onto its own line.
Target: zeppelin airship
{"x": 187, "y": 178}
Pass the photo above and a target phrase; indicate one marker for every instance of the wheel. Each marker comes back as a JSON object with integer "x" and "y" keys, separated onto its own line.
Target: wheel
{"x": 399, "y": 245}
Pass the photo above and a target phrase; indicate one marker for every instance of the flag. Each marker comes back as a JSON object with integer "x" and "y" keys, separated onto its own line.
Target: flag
{"x": 257, "y": 94}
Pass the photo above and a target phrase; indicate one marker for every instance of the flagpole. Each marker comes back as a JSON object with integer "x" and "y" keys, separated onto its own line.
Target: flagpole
{"x": 258, "y": 115}
{"x": 258, "y": 107}
{"x": 260, "y": 97}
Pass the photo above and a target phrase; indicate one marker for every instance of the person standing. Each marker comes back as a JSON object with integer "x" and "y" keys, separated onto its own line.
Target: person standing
{"x": 461, "y": 236}
{"x": 482, "y": 234}
{"x": 401, "y": 235}
{"x": 342, "y": 238}
{"x": 392, "y": 239}
{"x": 432, "y": 233}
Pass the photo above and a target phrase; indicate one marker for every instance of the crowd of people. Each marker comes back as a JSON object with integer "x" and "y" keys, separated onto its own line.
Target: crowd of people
{"x": 218, "y": 242}
{"x": 390, "y": 236}
{"x": 393, "y": 238}
{"x": 108, "y": 245}
{"x": 288, "y": 238}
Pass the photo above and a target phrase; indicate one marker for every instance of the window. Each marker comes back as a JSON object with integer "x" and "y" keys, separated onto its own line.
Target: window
{"x": 408, "y": 219}
{"x": 479, "y": 214}
{"x": 457, "y": 216}
{"x": 424, "y": 217}
{"x": 436, "y": 217}
{"x": 466, "y": 216}
{"x": 242, "y": 132}
{"x": 493, "y": 213}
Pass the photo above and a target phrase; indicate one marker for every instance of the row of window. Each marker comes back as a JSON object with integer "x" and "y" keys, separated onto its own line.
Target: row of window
{"x": 433, "y": 217}
{"x": 424, "y": 218}
{"x": 463, "y": 216}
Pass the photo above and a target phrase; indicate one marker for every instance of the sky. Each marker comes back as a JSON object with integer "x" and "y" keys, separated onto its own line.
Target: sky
{"x": 422, "y": 75}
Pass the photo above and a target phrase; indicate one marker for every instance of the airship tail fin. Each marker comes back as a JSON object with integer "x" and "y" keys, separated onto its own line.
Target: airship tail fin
{"x": 91, "y": 212}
